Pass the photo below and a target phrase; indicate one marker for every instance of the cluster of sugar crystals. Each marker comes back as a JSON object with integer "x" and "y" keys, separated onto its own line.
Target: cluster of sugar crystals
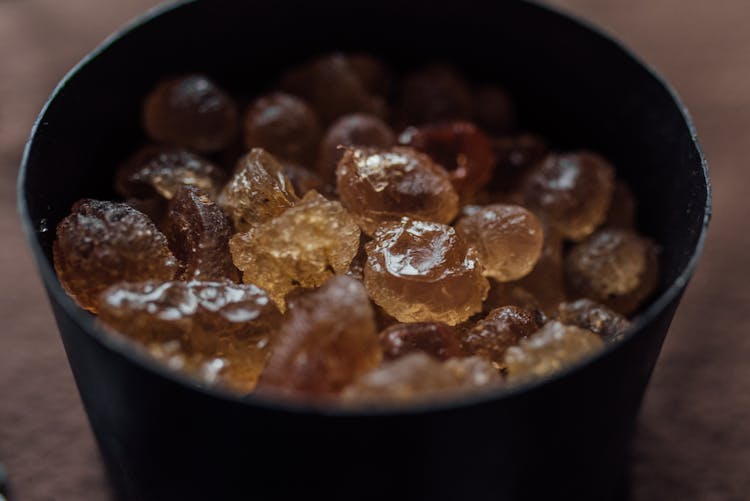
{"x": 328, "y": 242}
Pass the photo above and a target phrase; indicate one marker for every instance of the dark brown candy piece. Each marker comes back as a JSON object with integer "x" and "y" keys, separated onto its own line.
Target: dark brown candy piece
{"x": 159, "y": 171}
{"x": 512, "y": 294}
{"x": 198, "y": 232}
{"x": 192, "y": 112}
{"x": 459, "y": 147}
{"x": 433, "y": 338}
{"x": 493, "y": 110}
{"x": 572, "y": 191}
{"x": 101, "y": 243}
{"x": 351, "y": 130}
{"x": 615, "y": 267}
{"x": 327, "y": 340}
{"x": 622, "y": 209}
{"x": 332, "y": 85}
{"x": 304, "y": 180}
{"x": 500, "y": 329}
{"x": 433, "y": 94}
{"x": 595, "y": 317}
{"x": 515, "y": 155}
{"x": 284, "y": 125}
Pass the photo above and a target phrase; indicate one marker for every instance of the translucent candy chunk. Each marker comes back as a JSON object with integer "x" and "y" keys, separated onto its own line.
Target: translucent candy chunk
{"x": 191, "y": 112}
{"x": 501, "y": 328}
{"x": 433, "y": 338}
{"x": 617, "y": 268}
{"x": 258, "y": 191}
{"x": 285, "y": 126}
{"x": 161, "y": 171}
{"x": 351, "y": 130}
{"x": 595, "y": 317}
{"x": 327, "y": 340}
{"x": 101, "y": 243}
{"x": 554, "y": 347}
{"x": 301, "y": 247}
{"x": 509, "y": 239}
{"x": 198, "y": 233}
{"x": 381, "y": 185}
{"x": 461, "y": 148}
{"x": 572, "y": 191}
{"x": 424, "y": 272}
{"x": 418, "y": 376}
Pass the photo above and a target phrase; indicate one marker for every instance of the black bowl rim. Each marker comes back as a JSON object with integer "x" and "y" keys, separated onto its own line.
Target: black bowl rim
{"x": 136, "y": 355}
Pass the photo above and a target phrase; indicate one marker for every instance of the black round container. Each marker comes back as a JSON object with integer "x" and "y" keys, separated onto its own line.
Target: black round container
{"x": 563, "y": 438}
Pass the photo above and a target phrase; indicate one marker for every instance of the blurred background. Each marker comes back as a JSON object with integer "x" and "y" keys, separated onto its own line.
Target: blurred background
{"x": 693, "y": 441}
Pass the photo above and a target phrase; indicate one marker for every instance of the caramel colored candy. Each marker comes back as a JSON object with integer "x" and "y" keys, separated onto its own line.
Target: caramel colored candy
{"x": 595, "y": 317}
{"x": 433, "y": 338}
{"x": 258, "y": 191}
{"x": 424, "y": 272}
{"x": 546, "y": 281}
{"x": 493, "y": 110}
{"x": 333, "y": 86}
{"x": 351, "y": 130}
{"x": 198, "y": 233}
{"x": 622, "y": 209}
{"x": 554, "y": 347}
{"x": 500, "y": 329}
{"x": 509, "y": 239}
{"x": 434, "y": 94}
{"x": 515, "y": 156}
{"x": 326, "y": 341}
{"x": 285, "y": 126}
{"x": 191, "y": 112}
{"x": 418, "y": 376}
{"x": 382, "y": 185}
{"x": 161, "y": 171}
{"x": 101, "y": 243}
{"x": 301, "y": 247}
{"x": 572, "y": 191}
{"x": 462, "y": 149}
{"x": 617, "y": 268}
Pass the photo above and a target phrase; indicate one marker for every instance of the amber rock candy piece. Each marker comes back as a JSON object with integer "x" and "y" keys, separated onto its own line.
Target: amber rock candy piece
{"x": 493, "y": 109}
{"x": 509, "y": 239}
{"x": 418, "y": 376}
{"x": 380, "y": 185}
{"x": 358, "y": 129}
{"x": 258, "y": 191}
{"x": 595, "y": 317}
{"x": 302, "y": 247}
{"x": 161, "y": 171}
{"x": 434, "y": 93}
{"x": 206, "y": 317}
{"x": 555, "y": 346}
{"x": 284, "y": 125}
{"x": 192, "y": 112}
{"x": 572, "y": 191}
{"x": 424, "y": 272}
{"x": 615, "y": 267}
{"x": 500, "y": 329}
{"x": 326, "y": 341}
{"x": 433, "y": 338}
{"x": 101, "y": 243}
{"x": 198, "y": 233}
{"x": 511, "y": 294}
{"x": 333, "y": 86}
{"x": 461, "y": 148}
{"x": 546, "y": 281}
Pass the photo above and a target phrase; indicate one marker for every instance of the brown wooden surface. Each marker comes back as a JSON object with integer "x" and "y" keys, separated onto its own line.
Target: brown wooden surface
{"x": 694, "y": 435}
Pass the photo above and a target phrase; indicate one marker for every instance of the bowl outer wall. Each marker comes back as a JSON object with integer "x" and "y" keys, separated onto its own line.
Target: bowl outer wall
{"x": 162, "y": 436}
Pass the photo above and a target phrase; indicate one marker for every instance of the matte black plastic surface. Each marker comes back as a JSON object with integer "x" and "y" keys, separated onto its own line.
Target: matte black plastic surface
{"x": 566, "y": 438}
